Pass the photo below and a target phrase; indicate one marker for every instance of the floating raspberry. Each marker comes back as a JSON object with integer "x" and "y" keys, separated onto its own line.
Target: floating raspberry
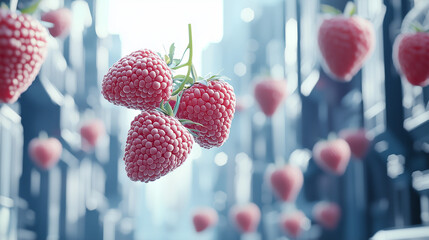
{"x": 270, "y": 93}
{"x": 91, "y": 133}
{"x": 287, "y": 182}
{"x": 332, "y": 156}
{"x": 345, "y": 43}
{"x": 156, "y": 145}
{"x": 61, "y": 19}
{"x": 358, "y": 141}
{"x": 45, "y": 152}
{"x": 141, "y": 80}
{"x": 246, "y": 217}
{"x": 23, "y": 47}
{"x": 212, "y": 106}
{"x": 412, "y": 53}
{"x": 204, "y": 218}
{"x": 327, "y": 214}
{"x": 293, "y": 223}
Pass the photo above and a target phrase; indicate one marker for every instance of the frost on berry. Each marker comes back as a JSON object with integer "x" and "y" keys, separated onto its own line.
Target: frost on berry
{"x": 213, "y": 106}
{"x": 156, "y": 145}
{"x": 140, "y": 80}
{"x": 23, "y": 47}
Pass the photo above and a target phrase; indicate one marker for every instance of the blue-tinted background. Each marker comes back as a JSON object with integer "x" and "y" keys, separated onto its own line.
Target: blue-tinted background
{"x": 88, "y": 195}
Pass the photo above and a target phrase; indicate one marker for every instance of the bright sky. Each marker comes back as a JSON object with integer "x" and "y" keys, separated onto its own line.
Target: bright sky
{"x": 156, "y": 24}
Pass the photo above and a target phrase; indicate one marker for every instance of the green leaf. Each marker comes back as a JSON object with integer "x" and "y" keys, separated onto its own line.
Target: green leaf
{"x": 224, "y": 78}
{"x": 167, "y": 59}
{"x": 204, "y": 82}
{"x": 31, "y": 9}
{"x": 4, "y": 6}
{"x": 180, "y": 60}
{"x": 350, "y": 9}
{"x": 180, "y": 76}
{"x": 171, "y": 52}
{"x": 192, "y": 133}
{"x": 174, "y": 63}
{"x": 330, "y": 10}
{"x": 218, "y": 76}
{"x": 194, "y": 130}
{"x": 417, "y": 27}
{"x": 161, "y": 106}
{"x": 176, "y": 106}
{"x": 168, "y": 108}
{"x": 179, "y": 79}
{"x": 160, "y": 110}
{"x": 186, "y": 121}
{"x": 194, "y": 74}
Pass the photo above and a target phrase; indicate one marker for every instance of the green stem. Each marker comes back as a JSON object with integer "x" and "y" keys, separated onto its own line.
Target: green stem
{"x": 194, "y": 74}
{"x": 416, "y": 26}
{"x": 350, "y": 9}
{"x": 13, "y": 5}
{"x": 188, "y": 64}
{"x": 330, "y": 10}
{"x": 180, "y": 66}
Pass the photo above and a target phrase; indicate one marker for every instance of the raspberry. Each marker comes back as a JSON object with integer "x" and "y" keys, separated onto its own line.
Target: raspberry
{"x": 141, "y": 80}
{"x": 61, "y": 19}
{"x": 327, "y": 214}
{"x": 358, "y": 141}
{"x": 345, "y": 44}
{"x": 91, "y": 132}
{"x": 45, "y": 152}
{"x": 23, "y": 47}
{"x": 156, "y": 145}
{"x": 204, "y": 218}
{"x": 246, "y": 217}
{"x": 332, "y": 156}
{"x": 412, "y": 52}
{"x": 287, "y": 182}
{"x": 292, "y": 223}
{"x": 213, "y": 106}
{"x": 270, "y": 93}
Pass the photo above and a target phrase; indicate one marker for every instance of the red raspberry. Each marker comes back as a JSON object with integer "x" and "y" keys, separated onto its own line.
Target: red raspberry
{"x": 269, "y": 93}
{"x": 358, "y": 140}
{"x": 204, "y": 218}
{"x": 413, "y": 57}
{"x": 345, "y": 44}
{"x": 23, "y": 47}
{"x": 156, "y": 145}
{"x": 293, "y": 223}
{"x": 287, "y": 182}
{"x": 91, "y": 133}
{"x": 246, "y": 217}
{"x": 61, "y": 19}
{"x": 45, "y": 152}
{"x": 140, "y": 80}
{"x": 332, "y": 155}
{"x": 213, "y": 106}
{"x": 327, "y": 214}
